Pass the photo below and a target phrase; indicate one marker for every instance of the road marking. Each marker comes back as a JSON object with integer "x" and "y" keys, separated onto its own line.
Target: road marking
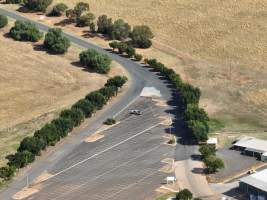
{"x": 115, "y": 115}
{"x": 101, "y": 152}
{"x": 109, "y": 171}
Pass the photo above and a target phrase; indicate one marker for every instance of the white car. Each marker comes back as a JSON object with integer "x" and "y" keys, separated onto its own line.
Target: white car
{"x": 135, "y": 112}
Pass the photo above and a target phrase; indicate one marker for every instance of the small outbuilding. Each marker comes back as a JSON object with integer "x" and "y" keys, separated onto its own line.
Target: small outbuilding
{"x": 255, "y": 185}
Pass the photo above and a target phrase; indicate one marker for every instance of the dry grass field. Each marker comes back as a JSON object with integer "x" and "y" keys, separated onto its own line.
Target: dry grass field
{"x": 219, "y": 46}
{"x": 35, "y": 86}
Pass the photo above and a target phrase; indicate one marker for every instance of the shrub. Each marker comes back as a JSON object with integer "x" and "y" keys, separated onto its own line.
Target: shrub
{"x": 21, "y": 159}
{"x": 55, "y": 42}
{"x": 213, "y": 163}
{"x": 190, "y": 94}
{"x": 207, "y": 150}
{"x": 37, "y": 5}
{"x": 96, "y": 61}
{"x": 117, "y": 81}
{"x": 119, "y": 30}
{"x": 97, "y": 99}
{"x": 199, "y": 130}
{"x": 32, "y": 144}
{"x": 85, "y": 106}
{"x": 7, "y": 172}
{"x": 141, "y": 36}
{"x": 104, "y": 24}
{"x": 184, "y": 194}
{"x": 49, "y": 133}
{"x": 63, "y": 126}
{"x": 3, "y": 21}
{"x": 74, "y": 14}
{"x": 85, "y": 20}
{"x": 130, "y": 51}
{"x": 138, "y": 57}
{"x": 110, "y": 121}
{"x": 73, "y": 114}
{"x": 58, "y": 10}
{"x": 25, "y": 31}
{"x": 109, "y": 91}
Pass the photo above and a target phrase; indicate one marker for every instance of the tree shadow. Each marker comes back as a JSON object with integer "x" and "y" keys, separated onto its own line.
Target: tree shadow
{"x": 196, "y": 157}
{"x": 198, "y": 170}
{"x": 39, "y": 47}
{"x": 78, "y": 64}
{"x": 63, "y": 22}
{"x": 88, "y": 34}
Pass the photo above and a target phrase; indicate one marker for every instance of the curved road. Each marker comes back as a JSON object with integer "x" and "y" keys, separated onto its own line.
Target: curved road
{"x": 140, "y": 78}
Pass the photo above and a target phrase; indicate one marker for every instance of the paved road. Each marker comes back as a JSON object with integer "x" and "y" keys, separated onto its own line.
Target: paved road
{"x": 140, "y": 78}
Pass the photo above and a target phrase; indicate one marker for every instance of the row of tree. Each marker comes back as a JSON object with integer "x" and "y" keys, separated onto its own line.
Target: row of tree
{"x": 140, "y": 36}
{"x": 195, "y": 117}
{"x": 51, "y": 133}
{"x": 212, "y": 162}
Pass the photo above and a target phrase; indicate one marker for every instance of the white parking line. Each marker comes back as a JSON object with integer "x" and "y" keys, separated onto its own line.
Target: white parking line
{"x": 101, "y": 152}
{"x": 109, "y": 171}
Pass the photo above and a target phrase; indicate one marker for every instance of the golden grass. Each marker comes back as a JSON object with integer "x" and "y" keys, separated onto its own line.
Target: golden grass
{"x": 35, "y": 86}
{"x": 219, "y": 46}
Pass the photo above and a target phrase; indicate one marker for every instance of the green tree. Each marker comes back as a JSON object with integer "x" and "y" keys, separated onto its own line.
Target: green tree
{"x": 184, "y": 194}
{"x": 141, "y": 36}
{"x": 120, "y": 30}
{"x": 49, "y": 133}
{"x": 85, "y": 106}
{"x": 25, "y": 31}
{"x": 37, "y": 5}
{"x": 213, "y": 163}
{"x": 85, "y": 20}
{"x": 95, "y": 61}
{"x": 74, "y": 14}
{"x": 63, "y": 125}
{"x": 207, "y": 150}
{"x": 58, "y": 10}
{"x": 193, "y": 112}
{"x": 114, "y": 45}
{"x": 199, "y": 130}
{"x": 104, "y": 24}
{"x": 7, "y": 172}
{"x": 109, "y": 91}
{"x": 21, "y": 159}
{"x": 74, "y": 114}
{"x": 130, "y": 51}
{"x": 189, "y": 94}
{"x": 3, "y": 21}
{"x": 55, "y": 42}
{"x": 97, "y": 99}
{"x": 122, "y": 47}
{"x": 117, "y": 81}
{"x": 32, "y": 144}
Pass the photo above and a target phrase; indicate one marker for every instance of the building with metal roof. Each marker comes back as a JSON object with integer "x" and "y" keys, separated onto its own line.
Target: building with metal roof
{"x": 255, "y": 185}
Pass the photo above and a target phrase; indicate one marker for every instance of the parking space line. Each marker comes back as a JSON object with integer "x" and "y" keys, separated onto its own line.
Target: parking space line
{"x": 101, "y": 152}
{"x": 109, "y": 171}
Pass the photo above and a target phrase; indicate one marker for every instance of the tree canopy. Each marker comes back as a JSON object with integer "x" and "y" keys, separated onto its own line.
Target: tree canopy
{"x": 3, "y": 21}
{"x": 141, "y": 36}
{"x": 37, "y": 5}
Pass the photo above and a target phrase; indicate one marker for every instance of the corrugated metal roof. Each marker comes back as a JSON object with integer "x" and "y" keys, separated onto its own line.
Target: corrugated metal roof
{"x": 257, "y": 180}
{"x": 253, "y": 144}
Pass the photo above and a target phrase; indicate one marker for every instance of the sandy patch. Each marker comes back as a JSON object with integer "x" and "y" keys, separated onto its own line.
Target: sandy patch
{"x": 165, "y": 120}
{"x": 94, "y": 137}
{"x": 169, "y": 167}
{"x": 24, "y": 193}
{"x": 43, "y": 177}
{"x": 160, "y": 102}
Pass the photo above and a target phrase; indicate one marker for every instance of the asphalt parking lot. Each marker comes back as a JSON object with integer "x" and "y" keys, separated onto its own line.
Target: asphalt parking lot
{"x": 123, "y": 164}
{"x": 235, "y": 163}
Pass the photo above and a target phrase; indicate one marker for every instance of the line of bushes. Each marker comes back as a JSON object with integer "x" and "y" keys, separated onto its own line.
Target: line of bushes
{"x": 195, "y": 117}
{"x": 52, "y": 132}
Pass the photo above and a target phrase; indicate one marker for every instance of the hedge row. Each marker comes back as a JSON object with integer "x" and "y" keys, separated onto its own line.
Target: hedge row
{"x": 59, "y": 128}
{"x": 195, "y": 117}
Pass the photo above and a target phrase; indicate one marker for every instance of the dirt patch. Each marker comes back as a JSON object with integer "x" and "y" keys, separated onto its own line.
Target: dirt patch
{"x": 160, "y": 102}
{"x": 43, "y": 177}
{"x": 94, "y": 137}
{"x": 165, "y": 120}
{"x": 24, "y": 193}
